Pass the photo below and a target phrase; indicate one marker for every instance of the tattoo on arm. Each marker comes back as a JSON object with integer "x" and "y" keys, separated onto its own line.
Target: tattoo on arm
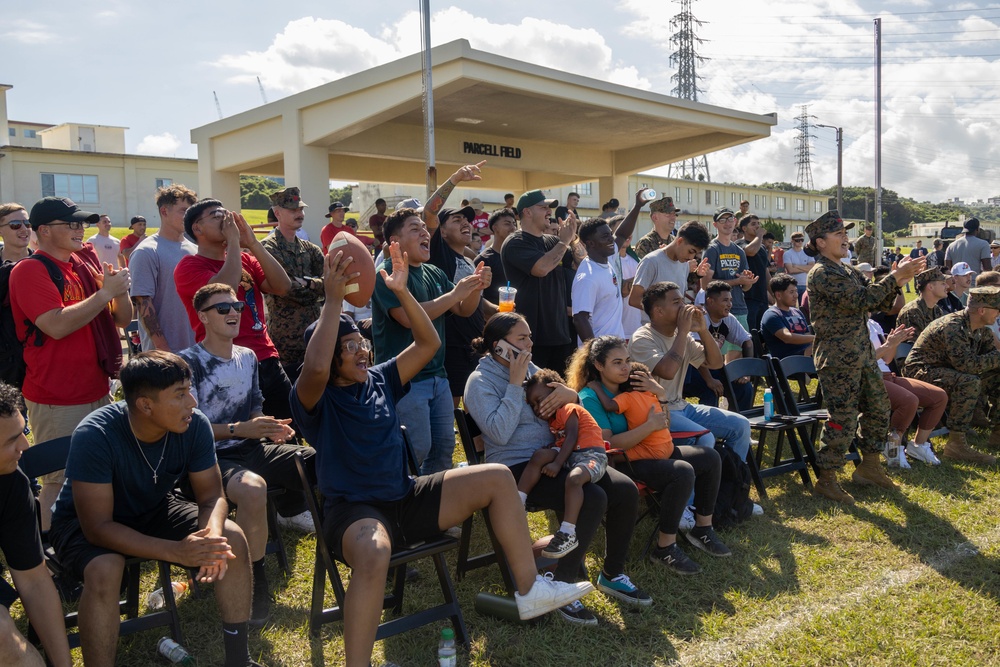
{"x": 147, "y": 315}
{"x": 673, "y": 356}
{"x": 438, "y": 199}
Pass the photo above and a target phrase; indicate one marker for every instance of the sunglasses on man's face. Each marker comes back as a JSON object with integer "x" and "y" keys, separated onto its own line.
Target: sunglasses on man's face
{"x": 223, "y": 308}
{"x": 14, "y": 225}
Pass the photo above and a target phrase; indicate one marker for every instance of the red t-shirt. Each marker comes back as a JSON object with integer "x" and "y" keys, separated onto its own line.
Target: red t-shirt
{"x": 195, "y": 271}
{"x": 64, "y": 371}
{"x": 329, "y": 231}
{"x": 127, "y": 243}
{"x": 481, "y": 224}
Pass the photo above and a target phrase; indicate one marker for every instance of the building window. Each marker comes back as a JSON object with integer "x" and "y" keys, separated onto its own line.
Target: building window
{"x": 817, "y": 207}
{"x": 756, "y": 202}
{"x": 583, "y": 189}
{"x": 800, "y": 205}
{"x": 677, "y": 194}
{"x": 732, "y": 200}
{"x": 30, "y": 134}
{"x": 779, "y": 203}
{"x": 690, "y": 197}
{"x": 167, "y": 182}
{"x": 763, "y": 202}
{"x": 81, "y": 188}
{"x": 708, "y": 197}
{"x": 717, "y": 196}
{"x": 12, "y": 131}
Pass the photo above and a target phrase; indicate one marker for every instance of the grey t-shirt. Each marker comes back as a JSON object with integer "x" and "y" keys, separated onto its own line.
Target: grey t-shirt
{"x": 728, "y": 262}
{"x": 152, "y": 266}
{"x": 226, "y": 389}
{"x": 970, "y": 249}
{"x": 657, "y": 267}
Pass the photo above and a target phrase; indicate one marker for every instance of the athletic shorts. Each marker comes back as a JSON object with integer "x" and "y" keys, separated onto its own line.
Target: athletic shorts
{"x": 592, "y": 460}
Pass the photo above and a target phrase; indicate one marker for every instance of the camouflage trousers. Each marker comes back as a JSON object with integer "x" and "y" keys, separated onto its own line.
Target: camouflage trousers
{"x": 964, "y": 391}
{"x": 848, "y": 393}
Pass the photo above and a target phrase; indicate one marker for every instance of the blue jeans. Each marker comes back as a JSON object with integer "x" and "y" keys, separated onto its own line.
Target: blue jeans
{"x": 427, "y": 413}
{"x": 725, "y": 425}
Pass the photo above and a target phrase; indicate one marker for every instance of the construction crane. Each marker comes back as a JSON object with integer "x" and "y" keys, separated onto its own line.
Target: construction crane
{"x": 261, "y": 86}
{"x": 218, "y": 107}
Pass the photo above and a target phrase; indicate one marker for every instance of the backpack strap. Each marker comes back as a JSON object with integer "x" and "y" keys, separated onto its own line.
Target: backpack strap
{"x": 55, "y": 273}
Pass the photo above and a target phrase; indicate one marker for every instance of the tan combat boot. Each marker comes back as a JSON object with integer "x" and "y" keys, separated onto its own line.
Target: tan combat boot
{"x": 958, "y": 449}
{"x": 828, "y": 487}
{"x": 871, "y": 472}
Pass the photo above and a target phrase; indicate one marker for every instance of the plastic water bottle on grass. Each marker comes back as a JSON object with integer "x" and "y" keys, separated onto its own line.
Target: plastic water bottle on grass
{"x": 447, "y": 654}
{"x": 892, "y": 449}
{"x": 155, "y": 599}
{"x": 174, "y": 652}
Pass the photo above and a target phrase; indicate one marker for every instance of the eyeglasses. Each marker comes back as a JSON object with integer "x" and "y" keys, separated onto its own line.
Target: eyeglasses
{"x": 72, "y": 224}
{"x": 14, "y": 225}
{"x": 217, "y": 214}
{"x": 223, "y": 308}
{"x": 352, "y": 346}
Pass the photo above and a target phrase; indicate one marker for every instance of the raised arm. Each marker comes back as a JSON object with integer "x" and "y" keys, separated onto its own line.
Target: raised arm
{"x": 276, "y": 281}
{"x": 61, "y": 322}
{"x": 627, "y": 225}
{"x": 470, "y": 172}
{"x": 426, "y": 342}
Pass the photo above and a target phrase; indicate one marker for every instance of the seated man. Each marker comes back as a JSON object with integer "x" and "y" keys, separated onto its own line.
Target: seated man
{"x": 919, "y": 313}
{"x": 349, "y": 413}
{"x": 116, "y": 502}
{"x": 22, "y": 550}
{"x": 705, "y": 384}
{"x": 224, "y": 381}
{"x": 783, "y": 328}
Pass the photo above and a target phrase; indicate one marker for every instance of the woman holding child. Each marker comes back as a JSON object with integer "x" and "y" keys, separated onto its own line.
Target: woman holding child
{"x": 512, "y": 432}
{"x": 624, "y": 400}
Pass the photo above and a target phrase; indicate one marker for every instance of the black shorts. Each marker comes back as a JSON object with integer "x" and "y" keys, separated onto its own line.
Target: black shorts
{"x": 409, "y": 520}
{"x": 174, "y": 519}
{"x": 8, "y": 595}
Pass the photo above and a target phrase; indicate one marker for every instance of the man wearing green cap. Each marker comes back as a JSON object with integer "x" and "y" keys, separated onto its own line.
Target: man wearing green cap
{"x": 919, "y": 313}
{"x": 663, "y": 214}
{"x": 840, "y": 299}
{"x": 288, "y": 315}
{"x": 953, "y": 354}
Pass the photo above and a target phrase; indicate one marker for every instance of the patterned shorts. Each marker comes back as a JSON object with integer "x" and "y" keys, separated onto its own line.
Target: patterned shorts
{"x": 592, "y": 460}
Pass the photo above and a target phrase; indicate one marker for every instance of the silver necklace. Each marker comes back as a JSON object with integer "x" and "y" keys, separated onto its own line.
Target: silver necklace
{"x": 143, "y": 454}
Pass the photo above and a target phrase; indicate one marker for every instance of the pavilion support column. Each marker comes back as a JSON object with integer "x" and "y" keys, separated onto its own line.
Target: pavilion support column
{"x": 615, "y": 185}
{"x": 308, "y": 168}
{"x": 221, "y": 185}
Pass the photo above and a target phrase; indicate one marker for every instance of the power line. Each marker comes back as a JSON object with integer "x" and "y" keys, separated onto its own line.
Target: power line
{"x": 687, "y": 60}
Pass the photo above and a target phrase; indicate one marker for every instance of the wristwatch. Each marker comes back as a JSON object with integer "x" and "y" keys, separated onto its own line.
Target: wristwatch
{"x": 232, "y": 429}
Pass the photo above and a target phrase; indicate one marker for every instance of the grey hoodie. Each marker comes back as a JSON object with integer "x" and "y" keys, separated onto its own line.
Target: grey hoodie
{"x": 511, "y": 431}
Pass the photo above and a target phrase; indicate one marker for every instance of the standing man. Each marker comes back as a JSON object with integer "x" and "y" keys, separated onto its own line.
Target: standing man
{"x": 798, "y": 263}
{"x": 118, "y": 504}
{"x": 335, "y": 226}
{"x": 865, "y": 248}
{"x": 481, "y": 221}
{"x": 289, "y": 315}
{"x": 995, "y": 253}
{"x": 840, "y": 299}
{"x": 16, "y": 234}
{"x": 952, "y": 354}
{"x": 532, "y": 260}
{"x": 936, "y": 256}
{"x": 919, "y": 313}
{"x": 105, "y": 245}
{"x": 672, "y": 263}
{"x": 21, "y": 546}
{"x": 502, "y": 223}
{"x": 969, "y": 248}
{"x": 71, "y": 343}
{"x": 563, "y": 212}
{"x": 728, "y": 263}
{"x": 221, "y": 237}
{"x": 138, "y": 226}
{"x": 376, "y": 220}
{"x": 752, "y": 246}
{"x": 163, "y": 323}
{"x": 663, "y": 213}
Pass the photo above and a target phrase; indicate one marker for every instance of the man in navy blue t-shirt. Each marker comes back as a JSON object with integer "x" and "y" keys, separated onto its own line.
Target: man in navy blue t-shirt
{"x": 784, "y": 328}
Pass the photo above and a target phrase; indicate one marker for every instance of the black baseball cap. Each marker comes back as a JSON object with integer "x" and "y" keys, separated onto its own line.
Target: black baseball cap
{"x": 468, "y": 212}
{"x": 135, "y": 219}
{"x": 62, "y": 209}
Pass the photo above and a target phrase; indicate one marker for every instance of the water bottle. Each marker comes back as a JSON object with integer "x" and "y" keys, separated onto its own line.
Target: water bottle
{"x": 892, "y": 449}
{"x": 155, "y": 599}
{"x": 174, "y": 652}
{"x": 768, "y": 405}
{"x": 446, "y": 649}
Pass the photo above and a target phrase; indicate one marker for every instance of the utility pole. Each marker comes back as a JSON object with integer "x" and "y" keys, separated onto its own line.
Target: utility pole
{"x": 804, "y": 178}
{"x": 878, "y": 133}
{"x": 840, "y": 166}
{"x": 428, "y": 96}
{"x": 686, "y": 78}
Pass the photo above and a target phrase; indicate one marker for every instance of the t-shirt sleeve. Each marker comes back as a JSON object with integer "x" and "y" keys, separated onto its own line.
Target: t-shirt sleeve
{"x": 772, "y": 322}
{"x": 393, "y": 382}
{"x": 737, "y": 334}
{"x": 253, "y": 267}
{"x": 521, "y": 254}
{"x": 203, "y": 445}
{"x": 32, "y": 289}
{"x": 384, "y": 298}
{"x": 645, "y": 275}
{"x": 143, "y": 270}
{"x": 189, "y": 276}
{"x": 712, "y": 255}
{"x": 644, "y": 349}
{"x": 90, "y": 457}
{"x": 19, "y": 538}
{"x": 584, "y": 292}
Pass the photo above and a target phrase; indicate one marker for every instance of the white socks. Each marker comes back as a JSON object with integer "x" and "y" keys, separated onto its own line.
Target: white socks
{"x": 568, "y": 528}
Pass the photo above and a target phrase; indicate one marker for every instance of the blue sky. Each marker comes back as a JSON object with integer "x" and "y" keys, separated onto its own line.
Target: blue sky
{"x": 153, "y": 67}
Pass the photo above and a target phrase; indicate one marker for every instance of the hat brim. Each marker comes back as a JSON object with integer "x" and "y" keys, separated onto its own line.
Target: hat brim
{"x": 342, "y": 208}
{"x": 467, "y": 212}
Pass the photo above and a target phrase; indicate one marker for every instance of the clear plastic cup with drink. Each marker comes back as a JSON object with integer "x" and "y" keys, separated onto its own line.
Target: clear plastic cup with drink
{"x": 507, "y": 295}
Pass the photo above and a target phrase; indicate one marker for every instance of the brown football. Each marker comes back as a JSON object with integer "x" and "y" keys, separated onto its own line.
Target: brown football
{"x": 360, "y": 289}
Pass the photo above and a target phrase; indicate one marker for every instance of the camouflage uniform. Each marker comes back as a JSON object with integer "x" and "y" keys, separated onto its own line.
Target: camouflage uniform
{"x": 840, "y": 299}
{"x": 916, "y": 314}
{"x": 653, "y": 241}
{"x": 289, "y": 315}
{"x": 864, "y": 250}
{"x": 960, "y": 360}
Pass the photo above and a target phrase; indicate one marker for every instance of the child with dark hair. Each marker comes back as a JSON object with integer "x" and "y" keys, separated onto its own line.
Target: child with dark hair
{"x": 579, "y": 446}
{"x": 635, "y": 405}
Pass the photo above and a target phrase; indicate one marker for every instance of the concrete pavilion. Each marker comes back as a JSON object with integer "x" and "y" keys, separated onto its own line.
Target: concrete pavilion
{"x": 537, "y": 128}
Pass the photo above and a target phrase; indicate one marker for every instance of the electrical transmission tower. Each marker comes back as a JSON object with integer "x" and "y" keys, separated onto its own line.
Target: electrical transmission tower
{"x": 804, "y": 179}
{"x": 686, "y": 60}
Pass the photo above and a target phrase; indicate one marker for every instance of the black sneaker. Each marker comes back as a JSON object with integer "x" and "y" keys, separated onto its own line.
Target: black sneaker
{"x": 674, "y": 558}
{"x": 575, "y": 612}
{"x": 704, "y": 538}
{"x": 560, "y": 545}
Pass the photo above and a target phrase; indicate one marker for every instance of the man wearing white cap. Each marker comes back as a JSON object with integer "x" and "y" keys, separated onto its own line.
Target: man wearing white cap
{"x": 964, "y": 277}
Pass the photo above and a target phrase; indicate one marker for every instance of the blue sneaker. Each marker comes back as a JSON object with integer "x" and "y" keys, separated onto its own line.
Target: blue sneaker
{"x": 621, "y": 587}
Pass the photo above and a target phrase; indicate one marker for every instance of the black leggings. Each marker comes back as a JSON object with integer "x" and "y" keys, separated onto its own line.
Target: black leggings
{"x": 613, "y": 496}
{"x": 698, "y": 468}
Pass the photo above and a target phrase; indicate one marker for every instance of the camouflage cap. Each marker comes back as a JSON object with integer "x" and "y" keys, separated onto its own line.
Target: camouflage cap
{"x": 287, "y": 198}
{"x": 663, "y": 205}
{"x": 828, "y": 223}
{"x": 721, "y": 213}
{"x": 988, "y": 297}
{"x": 932, "y": 274}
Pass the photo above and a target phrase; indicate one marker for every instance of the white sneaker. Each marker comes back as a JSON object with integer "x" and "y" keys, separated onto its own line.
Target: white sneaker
{"x": 922, "y": 453}
{"x": 301, "y": 522}
{"x": 548, "y": 595}
{"x": 758, "y": 510}
{"x": 903, "y": 463}
{"x": 687, "y": 519}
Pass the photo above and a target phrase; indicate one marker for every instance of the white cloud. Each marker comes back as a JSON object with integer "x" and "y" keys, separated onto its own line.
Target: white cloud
{"x": 165, "y": 144}
{"x": 27, "y": 32}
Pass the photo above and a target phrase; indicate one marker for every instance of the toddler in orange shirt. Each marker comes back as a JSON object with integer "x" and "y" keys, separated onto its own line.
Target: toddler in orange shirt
{"x": 635, "y": 406}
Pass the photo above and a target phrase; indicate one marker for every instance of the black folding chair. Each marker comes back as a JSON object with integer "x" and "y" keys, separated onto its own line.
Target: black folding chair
{"x": 759, "y": 370}
{"x": 325, "y": 567}
{"x": 132, "y": 338}
{"x": 50, "y": 456}
{"x": 275, "y": 543}
{"x": 759, "y": 349}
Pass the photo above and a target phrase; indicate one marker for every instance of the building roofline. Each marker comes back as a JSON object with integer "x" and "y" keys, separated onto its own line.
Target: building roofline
{"x": 38, "y": 149}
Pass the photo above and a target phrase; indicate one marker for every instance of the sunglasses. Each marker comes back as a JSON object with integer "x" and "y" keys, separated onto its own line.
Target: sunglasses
{"x": 223, "y": 308}
{"x": 72, "y": 224}
{"x": 14, "y": 225}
